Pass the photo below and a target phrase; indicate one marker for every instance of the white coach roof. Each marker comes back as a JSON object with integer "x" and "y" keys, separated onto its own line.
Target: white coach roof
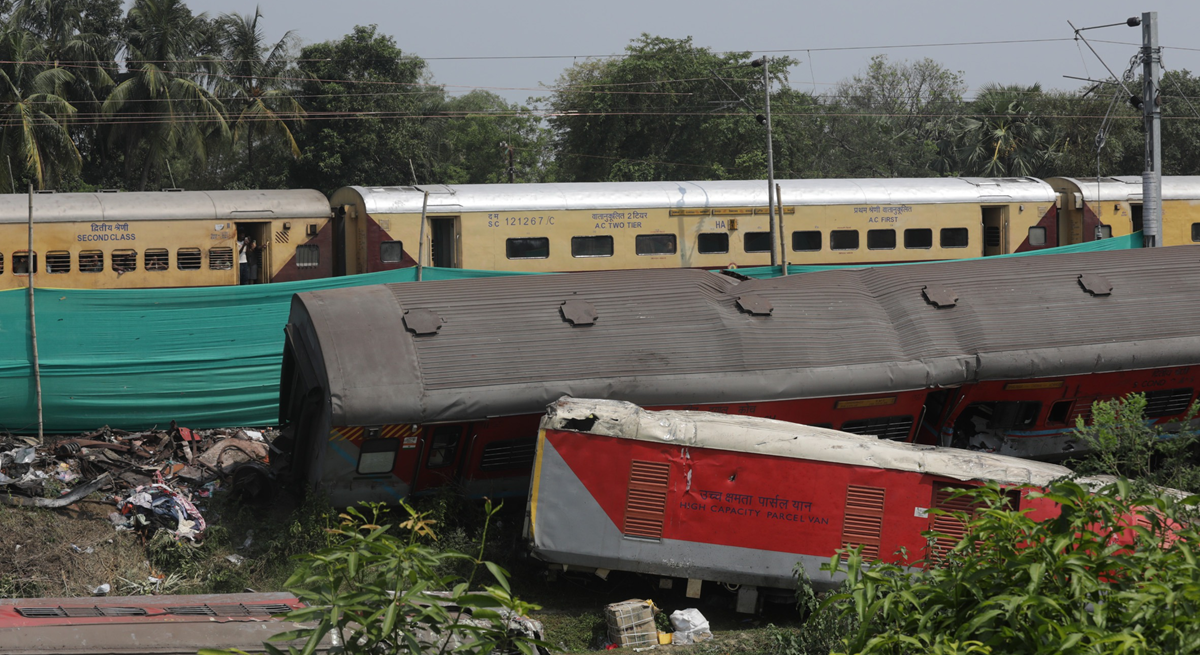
{"x": 750, "y": 434}
{"x": 691, "y": 195}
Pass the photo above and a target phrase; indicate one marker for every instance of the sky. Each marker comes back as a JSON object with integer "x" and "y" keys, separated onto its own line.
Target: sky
{"x": 517, "y": 49}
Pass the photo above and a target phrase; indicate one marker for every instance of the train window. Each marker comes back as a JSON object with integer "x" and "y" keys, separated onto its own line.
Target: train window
{"x": 843, "y": 240}
{"x": 377, "y": 456}
{"x": 881, "y": 239}
{"x": 954, "y": 237}
{"x": 308, "y": 256}
{"x": 1037, "y": 236}
{"x": 1104, "y": 232}
{"x": 509, "y": 454}
{"x": 894, "y": 428}
{"x": 655, "y": 244}
{"x": 188, "y": 259}
{"x": 91, "y": 261}
{"x": 21, "y": 262}
{"x": 1167, "y": 402}
{"x": 527, "y": 248}
{"x": 58, "y": 261}
{"x": 1195, "y": 231}
{"x": 1, "y": 262}
{"x": 1005, "y": 415}
{"x": 600, "y": 246}
{"x": 918, "y": 238}
{"x": 443, "y": 446}
{"x": 712, "y": 242}
{"x": 757, "y": 242}
{"x": 1059, "y": 412}
{"x": 124, "y": 261}
{"x": 806, "y": 241}
{"x": 220, "y": 259}
{"x": 157, "y": 259}
{"x": 391, "y": 252}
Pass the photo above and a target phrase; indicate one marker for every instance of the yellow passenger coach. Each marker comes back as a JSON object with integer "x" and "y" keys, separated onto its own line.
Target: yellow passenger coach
{"x": 601, "y": 226}
{"x": 1097, "y": 208}
{"x": 162, "y": 239}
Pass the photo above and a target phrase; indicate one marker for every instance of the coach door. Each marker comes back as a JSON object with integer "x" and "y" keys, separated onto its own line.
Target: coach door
{"x": 441, "y": 453}
{"x": 445, "y": 246}
{"x": 261, "y": 233}
{"x": 995, "y": 231}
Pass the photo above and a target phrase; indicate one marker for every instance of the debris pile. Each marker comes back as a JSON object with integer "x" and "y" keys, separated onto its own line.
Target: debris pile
{"x": 154, "y": 477}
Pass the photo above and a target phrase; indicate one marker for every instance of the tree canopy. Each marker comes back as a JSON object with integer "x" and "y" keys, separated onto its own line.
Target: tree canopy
{"x": 94, "y": 96}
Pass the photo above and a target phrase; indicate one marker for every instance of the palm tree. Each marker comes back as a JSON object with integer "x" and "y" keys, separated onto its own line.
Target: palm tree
{"x": 254, "y": 81}
{"x": 161, "y": 103}
{"x": 1004, "y": 135}
{"x": 34, "y": 115}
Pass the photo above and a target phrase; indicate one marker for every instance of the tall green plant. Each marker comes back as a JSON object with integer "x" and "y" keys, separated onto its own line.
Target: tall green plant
{"x": 382, "y": 589}
{"x": 254, "y": 80}
{"x": 162, "y": 104}
{"x": 34, "y": 113}
{"x": 1122, "y": 441}
{"x": 1062, "y": 585}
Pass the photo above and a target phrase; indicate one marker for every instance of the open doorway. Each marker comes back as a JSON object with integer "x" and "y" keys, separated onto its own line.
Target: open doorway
{"x": 994, "y": 232}
{"x": 258, "y": 254}
{"x": 444, "y": 242}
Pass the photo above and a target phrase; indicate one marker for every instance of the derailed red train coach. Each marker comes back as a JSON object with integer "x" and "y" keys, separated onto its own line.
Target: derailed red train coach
{"x": 397, "y": 389}
{"x": 742, "y": 500}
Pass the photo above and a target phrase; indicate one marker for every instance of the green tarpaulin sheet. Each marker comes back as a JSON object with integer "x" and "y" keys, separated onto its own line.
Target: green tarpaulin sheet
{"x": 205, "y": 357}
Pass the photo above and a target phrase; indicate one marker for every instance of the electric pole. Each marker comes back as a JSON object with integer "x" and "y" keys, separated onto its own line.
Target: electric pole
{"x": 766, "y": 120}
{"x": 1152, "y": 113}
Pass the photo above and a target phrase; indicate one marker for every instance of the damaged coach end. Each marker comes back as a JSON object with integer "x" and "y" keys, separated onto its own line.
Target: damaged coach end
{"x": 398, "y": 389}
{"x": 741, "y": 500}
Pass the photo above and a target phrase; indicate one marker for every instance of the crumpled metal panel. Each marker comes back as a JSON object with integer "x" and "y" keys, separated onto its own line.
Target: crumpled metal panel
{"x": 749, "y": 434}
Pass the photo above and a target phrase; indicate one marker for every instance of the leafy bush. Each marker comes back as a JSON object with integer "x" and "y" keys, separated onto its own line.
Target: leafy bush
{"x": 1015, "y": 585}
{"x": 1123, "y": 443}
{"x": 374, "y": 592}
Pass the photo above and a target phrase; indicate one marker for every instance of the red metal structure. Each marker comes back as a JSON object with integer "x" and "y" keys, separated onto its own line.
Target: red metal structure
{"x": 143, "y": 625}
{"x": 740, "y": 500}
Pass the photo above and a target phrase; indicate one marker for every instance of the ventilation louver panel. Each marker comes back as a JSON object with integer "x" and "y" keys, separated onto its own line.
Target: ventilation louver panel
{"x": 1167, "y": 402}
{"x": 894, "y": 428}
{"x": 864, "y": 519}
{"x": 646, "y": 499}
{"x": 509, "y": 454}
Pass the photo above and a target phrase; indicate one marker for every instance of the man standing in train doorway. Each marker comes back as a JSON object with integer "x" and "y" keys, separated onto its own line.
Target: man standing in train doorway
{"x": 245, "y": 244}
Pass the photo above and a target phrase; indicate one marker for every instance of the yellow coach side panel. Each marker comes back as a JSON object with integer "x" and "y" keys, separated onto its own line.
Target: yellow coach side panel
{"x": 882, "y": 233}
{"x": 122, "y": 254}
{"x": 1181, "y": 222}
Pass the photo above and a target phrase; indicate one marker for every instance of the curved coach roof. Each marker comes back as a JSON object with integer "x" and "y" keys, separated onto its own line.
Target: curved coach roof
{"x": 723, "y": 193}
{"x": 669, "y": 337}
{"x": 750, "y": 434}
{"x": 160, "y": 205}
{"x": 1129, "y": 187}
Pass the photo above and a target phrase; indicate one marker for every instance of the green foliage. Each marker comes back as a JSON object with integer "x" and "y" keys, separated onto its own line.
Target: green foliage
{"x": 162, "y": 106}
{"x": 1061, "y": 585}
{"x": 376, "y": 591}
{"x": 1124, "y": 443}
{"x": 470, "y": 145}
{"x": 668, "y": 110}
{"x": 1004, "y": 135}
{"x": 374, "y": 100}
{"x": 889, "y": 121}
